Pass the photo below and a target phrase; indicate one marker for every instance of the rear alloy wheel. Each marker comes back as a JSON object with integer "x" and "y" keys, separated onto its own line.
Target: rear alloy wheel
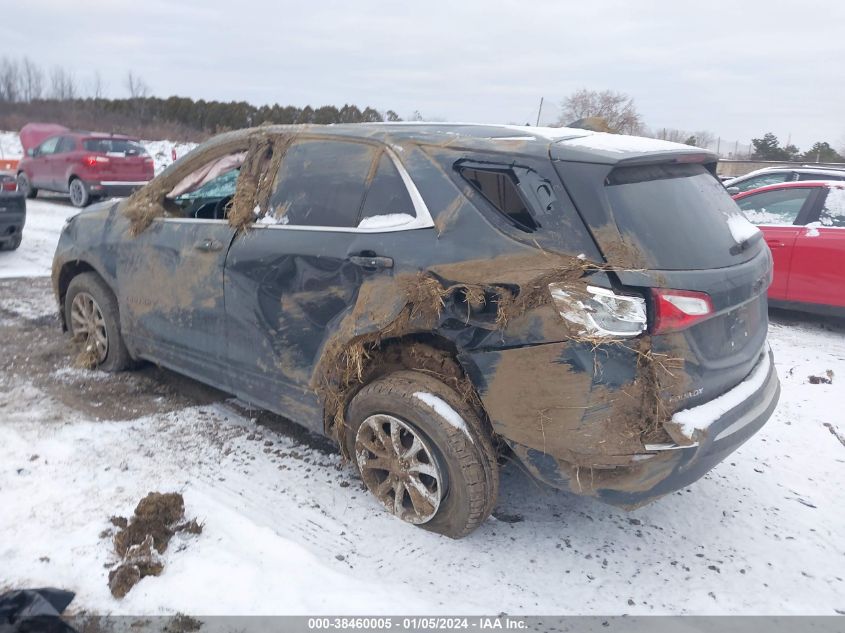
{"x": 26, "y": 187}
{"x": 423, "y": 452}
{"x": 399, "y": 468}
{"x": 93, "y": 321}
{"x": 79, "y": 195}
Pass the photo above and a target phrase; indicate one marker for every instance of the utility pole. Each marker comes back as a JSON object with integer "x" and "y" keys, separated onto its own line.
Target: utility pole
{"x": 539, "y": 112}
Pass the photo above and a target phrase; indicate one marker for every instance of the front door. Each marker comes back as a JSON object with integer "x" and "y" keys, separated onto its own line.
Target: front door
{"x": 779, "y": 213}
{"x": 818, "y": 266}
{"x": 170, "y": 277}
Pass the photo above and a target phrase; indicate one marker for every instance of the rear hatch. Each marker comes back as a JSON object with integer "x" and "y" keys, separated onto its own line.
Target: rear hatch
{"x": 663, "y": 221}
{"x": 120, "y": 160}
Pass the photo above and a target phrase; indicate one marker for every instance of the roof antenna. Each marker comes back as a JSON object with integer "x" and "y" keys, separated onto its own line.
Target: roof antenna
{"x": 539, "y": 112}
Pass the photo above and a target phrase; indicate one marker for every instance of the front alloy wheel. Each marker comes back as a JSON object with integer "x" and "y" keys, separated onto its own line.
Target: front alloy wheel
{"x": 399, "y": 468}
{"x": 88, "y": 326}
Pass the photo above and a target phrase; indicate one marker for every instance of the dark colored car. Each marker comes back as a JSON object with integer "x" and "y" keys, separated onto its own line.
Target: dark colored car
{"x": 86, "y": 165}
{"x": 435, "y": 297}
{"x": 12, "y": 212}
{"x": 776, "y": 175}
{"x": 804, "y": 225}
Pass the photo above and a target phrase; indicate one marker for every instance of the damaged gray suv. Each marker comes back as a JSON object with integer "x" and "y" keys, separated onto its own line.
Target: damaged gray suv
{"x": 438, "y": 297}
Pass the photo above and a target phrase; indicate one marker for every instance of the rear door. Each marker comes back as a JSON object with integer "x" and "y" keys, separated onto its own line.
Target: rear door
{"x": 779, "y": 214}
{"x": 294, "y": 276}
{"x": 61, "y": 161}
{"x": 818, "y": 265}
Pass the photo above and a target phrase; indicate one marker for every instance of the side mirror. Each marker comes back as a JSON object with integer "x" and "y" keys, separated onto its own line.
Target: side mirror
{"x": 30, "y": 152}
{"x": 733, "y": 190}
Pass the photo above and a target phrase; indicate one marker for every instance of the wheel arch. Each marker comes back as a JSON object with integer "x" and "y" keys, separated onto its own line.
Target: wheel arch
{"x": 67, "y": 272}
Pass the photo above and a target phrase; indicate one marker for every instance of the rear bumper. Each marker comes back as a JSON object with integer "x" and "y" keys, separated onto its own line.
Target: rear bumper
{"x": 707, "y": 435}
{"x": 115, "y": 188}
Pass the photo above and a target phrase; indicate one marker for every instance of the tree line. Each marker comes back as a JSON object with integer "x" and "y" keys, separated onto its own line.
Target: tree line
{"x": 29, "y": 93}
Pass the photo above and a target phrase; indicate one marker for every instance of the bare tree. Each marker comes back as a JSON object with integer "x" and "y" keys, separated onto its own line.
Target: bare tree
{"x": 615, "y": 108}
{"x": 9, "y": 80}
{"x": 97, "y": 88}
{"x": 138, "y": 89}
{"x": 62, "y": 84}
{"x": 32, "y": 80}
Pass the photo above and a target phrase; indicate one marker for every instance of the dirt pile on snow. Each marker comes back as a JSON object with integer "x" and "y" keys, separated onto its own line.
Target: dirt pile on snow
{"x": 142, "y": 539}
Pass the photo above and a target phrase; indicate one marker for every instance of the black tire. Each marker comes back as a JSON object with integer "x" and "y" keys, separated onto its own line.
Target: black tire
{"x": 79, "y": 195}
{"x": 464, "y": 455}
{"x": 117, "y": 357}
{"x": 12, "y": 244}
{"x": 24, "y": 185}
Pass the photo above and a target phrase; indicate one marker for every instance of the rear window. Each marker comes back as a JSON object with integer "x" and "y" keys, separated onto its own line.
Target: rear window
{"x": 677, "y": 214}
{"x": 114, "y": 146}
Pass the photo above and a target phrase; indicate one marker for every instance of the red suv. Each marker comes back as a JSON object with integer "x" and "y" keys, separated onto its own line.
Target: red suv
{"x": 804, "y": 225}
{"x": 87, "y": 165}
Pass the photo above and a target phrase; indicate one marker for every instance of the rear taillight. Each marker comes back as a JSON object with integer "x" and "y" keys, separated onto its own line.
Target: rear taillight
{"x": 600, "y": 312}
{"x": 93, "y": 161}
{"x": 8, "y": 183}
{"x": 679, "y": 309}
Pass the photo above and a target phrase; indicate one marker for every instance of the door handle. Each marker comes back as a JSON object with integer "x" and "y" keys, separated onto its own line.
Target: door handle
{"x": 371, "y": 262}
{"x": 775, "y": 243}
{"x": 208, "y": 245}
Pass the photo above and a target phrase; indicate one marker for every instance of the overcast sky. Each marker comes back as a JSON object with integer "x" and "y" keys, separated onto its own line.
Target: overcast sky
{"x": 738, "y": 69}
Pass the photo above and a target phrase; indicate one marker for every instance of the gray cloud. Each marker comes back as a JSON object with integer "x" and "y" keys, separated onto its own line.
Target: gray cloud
{"x": 738, "y": 69}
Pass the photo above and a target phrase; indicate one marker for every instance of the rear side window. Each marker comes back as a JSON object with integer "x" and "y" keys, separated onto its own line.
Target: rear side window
{"x": 806, "y": 176}
{"x": 499, "y": 186}
{"x": 114, "y": 146}
{"x": 677, "y": 214}
{"x": 322, "y": 183}
{"x": 833, "y": 211}
{"x": 775, "y": 207}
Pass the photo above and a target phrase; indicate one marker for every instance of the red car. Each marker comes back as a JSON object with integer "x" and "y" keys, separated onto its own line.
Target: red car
{"x": 87, "y": 165}
{"x": 803, "y": 223}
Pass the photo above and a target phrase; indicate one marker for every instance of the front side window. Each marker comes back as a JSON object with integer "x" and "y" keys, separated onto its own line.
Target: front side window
{"x": 779, "y": 207}
{"x": 322, "y": 183}
{"x": 762, "y": 180}
{"x": 49, "y": 146}
{"x": 66, "y": 144}
{"x": 205, "y": 193}
{"x": 810, "y": 176}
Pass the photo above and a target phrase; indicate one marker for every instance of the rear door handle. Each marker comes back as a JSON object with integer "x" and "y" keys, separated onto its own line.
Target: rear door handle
{"x": 371, "y": 262}
{"x": 208, "y": 245}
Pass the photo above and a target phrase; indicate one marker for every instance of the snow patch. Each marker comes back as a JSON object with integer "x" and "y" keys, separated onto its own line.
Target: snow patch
{"x": 445, "y": 411}
{"x": 741, "y": 229}
{"x": 386, "y": 221}
{"x": 622, "y": 143}
{"x": 699, "y": 419}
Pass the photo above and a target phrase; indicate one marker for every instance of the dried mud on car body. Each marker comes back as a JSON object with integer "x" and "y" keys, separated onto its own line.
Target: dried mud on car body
{"x": 625, "y": 384}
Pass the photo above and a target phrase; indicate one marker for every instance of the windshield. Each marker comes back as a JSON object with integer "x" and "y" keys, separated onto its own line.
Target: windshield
{"x": 680, "y": 215}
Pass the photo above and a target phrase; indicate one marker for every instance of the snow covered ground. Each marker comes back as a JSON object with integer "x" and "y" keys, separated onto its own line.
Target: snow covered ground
{"x": 289, "y": 530}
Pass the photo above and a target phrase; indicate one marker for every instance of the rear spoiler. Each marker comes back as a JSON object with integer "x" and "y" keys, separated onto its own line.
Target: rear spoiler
{"x": 614, "y": 149}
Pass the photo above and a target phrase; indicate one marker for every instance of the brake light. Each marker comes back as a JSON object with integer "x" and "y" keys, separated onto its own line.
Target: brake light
{"x": 10, "y": 185}
{"x": 600, "y": 312}
{"x": 93, "y": 161}
{"x": 676, "y": 310}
